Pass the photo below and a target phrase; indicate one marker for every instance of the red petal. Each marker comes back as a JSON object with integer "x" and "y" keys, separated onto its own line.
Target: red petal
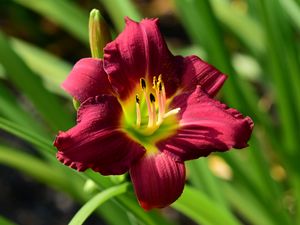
{"x": 206, "y": 125}
{"x": 198, "y": 72}
{"x": 96, "y": 141}
{"x": 140, "y": 51}
{"x": 87, "y": 79}
{"x": 158, "y": 180}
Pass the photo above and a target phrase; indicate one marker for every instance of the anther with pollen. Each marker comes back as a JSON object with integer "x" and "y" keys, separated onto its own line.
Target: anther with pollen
{"x": 137, "y": 99}
{"x": 161, "y": 98}
{"x": 152, "y": 113}
{"x": 143, "y": 83}
{"x": 155, "y": 99}
{"x": 138, "y": 110}
{"x": 152, "y": 98}
{"x": 146, "y": 96}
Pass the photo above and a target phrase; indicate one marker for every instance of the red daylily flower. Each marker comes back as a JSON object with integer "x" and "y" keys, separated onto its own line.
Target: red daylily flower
{"x": 146, "y": 111}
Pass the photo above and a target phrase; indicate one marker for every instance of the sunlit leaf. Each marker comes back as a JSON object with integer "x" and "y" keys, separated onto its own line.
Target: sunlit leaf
{"x": 88, "y": 208}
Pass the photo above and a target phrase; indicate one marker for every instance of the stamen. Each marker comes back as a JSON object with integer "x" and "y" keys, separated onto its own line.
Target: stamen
{"x": 152, "y": 113}
{"x": 160, "y": 106}
{"x": 160, "y": 86}
{"x": 159, "y": 77}
{"x": 143, "y": 83}
{"x": 154, "y": 82}
{"x": 138, "y": 111}
{"x": 137, "y": 99}
{"x": 161, "y": 100}
{"x": 172, "y": 112}
{"x": 163, "y": 91}
{"x": 152, "y": 98}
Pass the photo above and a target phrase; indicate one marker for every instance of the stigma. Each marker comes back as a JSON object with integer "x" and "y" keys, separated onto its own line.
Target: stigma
{"x": 154, "y": 97}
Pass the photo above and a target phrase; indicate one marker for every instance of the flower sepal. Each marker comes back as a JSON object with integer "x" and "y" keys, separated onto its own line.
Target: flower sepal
{"x": 76, "y": 104}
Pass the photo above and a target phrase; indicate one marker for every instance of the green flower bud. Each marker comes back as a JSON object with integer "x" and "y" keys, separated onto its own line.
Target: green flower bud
{"x": 99, "y": 33}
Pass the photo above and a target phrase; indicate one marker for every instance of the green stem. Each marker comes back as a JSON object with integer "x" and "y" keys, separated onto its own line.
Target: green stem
{"x": 100, "y": 198}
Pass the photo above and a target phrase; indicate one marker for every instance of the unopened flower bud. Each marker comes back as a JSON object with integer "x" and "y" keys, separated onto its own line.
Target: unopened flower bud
{"x": 99, "y": 33}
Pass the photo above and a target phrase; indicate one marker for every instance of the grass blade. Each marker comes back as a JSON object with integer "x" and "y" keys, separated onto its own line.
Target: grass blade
{"x": 242, "y": 26}
{"x": 5, "y": 221}
{"x": 31, "y": 85}
{"x": 201, "y": 176}
{"x": 293, "y": 10}
{"x": 284, "y": 71}
{"x": 64, "y": 13}
{"x": 11, "y": 109}
{"x": 253, "y": 211}
{"x": 32, "y": 166}
{"x": 128, "y": 202}
{"x": 26, "y": 135}
{"x": 41, "y": 62}
{"x": 96, "y": 201}
{"x": 201, "y": 209}
{"x": 118, "y": 9}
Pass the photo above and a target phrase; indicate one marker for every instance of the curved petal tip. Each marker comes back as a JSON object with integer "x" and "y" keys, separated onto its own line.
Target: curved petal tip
{"x": 158, "y": 180}
{"x": 96, "y": 141}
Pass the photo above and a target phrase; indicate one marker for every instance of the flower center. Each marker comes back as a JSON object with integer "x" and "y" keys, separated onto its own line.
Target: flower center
{"x": 153, "y": 122}
{"x": 156, "y": 105}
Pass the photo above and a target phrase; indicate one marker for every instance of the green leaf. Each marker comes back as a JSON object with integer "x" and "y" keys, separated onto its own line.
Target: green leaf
{"x": 11, "y": 109}
{"x": 120, "y": 216}
{"x": 31, "y": 85}
{"x": 284, "y": 71}
{"x": 118, "y": 9}
{"x": 246, "y": 203}
{"x": 53, "y": 176}
{"x": 96, "y": 201}
{"x": 27, "y": 135}
{"x": 201, "y": 177}
{"x": 50, "y": 68}
{"x": 206, "y": 32}
{"x": 201, "y": 209}
{"x": 293, "y": 10}
{"x": 5, "y": 221}
{"x": 64, "y": 13}
{"x": 241, "y": 25}
{"x": 128, "y": 202}
{"x": 36, "y": 168}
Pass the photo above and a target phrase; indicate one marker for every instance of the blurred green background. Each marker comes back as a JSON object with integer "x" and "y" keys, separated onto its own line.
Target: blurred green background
{"x": 255, "y": 42}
